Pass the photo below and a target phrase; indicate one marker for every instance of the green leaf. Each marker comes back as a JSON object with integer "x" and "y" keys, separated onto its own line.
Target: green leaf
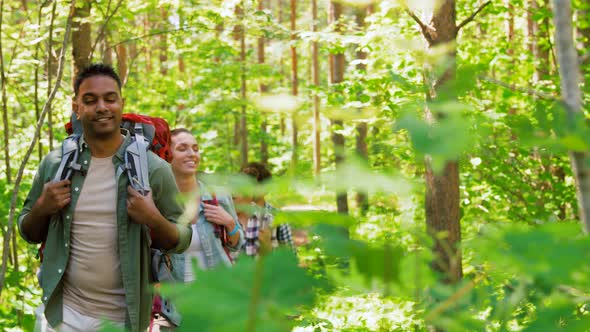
{"x": 228, "y": 299}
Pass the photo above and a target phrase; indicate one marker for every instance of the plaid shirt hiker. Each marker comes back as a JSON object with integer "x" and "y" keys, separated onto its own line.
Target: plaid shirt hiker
{"x": 280, "y": 235}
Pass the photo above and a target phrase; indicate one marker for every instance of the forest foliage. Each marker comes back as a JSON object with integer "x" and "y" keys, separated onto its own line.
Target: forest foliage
{"x": 198, "y": 64}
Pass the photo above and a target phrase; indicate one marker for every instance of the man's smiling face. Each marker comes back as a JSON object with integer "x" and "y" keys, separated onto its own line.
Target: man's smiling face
{"x": 99, "y": 106}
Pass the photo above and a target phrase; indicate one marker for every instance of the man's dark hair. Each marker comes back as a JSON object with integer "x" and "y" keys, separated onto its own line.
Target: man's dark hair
{"x": 96, "y": 69}
{"x": 256, "y": 170}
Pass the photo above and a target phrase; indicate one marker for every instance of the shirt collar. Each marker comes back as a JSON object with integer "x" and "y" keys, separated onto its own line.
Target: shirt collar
{"x": 120, "y": 152}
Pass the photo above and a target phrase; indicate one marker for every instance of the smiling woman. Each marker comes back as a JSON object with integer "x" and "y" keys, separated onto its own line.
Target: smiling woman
{"x": 215, "y": 226}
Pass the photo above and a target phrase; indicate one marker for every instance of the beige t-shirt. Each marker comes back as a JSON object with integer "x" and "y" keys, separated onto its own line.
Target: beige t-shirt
{"x": 93, "y": 284}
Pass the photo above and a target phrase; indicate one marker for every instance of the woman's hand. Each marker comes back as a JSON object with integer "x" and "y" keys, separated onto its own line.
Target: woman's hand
{"x": 217, "y": 215}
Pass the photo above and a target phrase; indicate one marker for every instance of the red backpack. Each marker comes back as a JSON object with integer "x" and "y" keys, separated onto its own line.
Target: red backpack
{"x": 155, "y": 128}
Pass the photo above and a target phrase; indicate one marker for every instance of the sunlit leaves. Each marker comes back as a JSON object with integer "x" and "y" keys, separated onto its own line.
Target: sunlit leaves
{"x": 446, "y": 139}
{"x": 553, "y": 253}
{"x": 284, "y": 289}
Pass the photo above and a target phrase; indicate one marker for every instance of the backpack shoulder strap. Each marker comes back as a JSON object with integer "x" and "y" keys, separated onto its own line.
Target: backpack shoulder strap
{"x": 136, "y": 161}
{"x": 70, "y": 149}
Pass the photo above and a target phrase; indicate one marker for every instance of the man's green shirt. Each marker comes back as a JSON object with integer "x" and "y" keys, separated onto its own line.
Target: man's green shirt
{"x": 133, "y": 239}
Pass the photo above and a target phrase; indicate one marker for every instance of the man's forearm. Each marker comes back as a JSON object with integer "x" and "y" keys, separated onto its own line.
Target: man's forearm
{"x": 35, "y": 225}
{"x": 164, "y": 233}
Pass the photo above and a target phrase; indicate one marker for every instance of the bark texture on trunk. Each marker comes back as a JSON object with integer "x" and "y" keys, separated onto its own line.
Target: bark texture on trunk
{"x": 294, "y": 83}
{"x": 569, "y": 73}
{"x": 317, "y": 155}
{"x": 337, "y": 66}
{"x": 263, "y": 89}
{"x": 243, "y": 121}
{"x": 81, "y": 29}
{"x": 164, "y": 44}
{"x": 122, "y": 63}
{"x": 362, "y": 150}
{"x": 442, "y": 203}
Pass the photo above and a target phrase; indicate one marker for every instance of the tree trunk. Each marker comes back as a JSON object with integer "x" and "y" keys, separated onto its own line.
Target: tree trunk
{"x": 294, "y": 83}
{"x": 81, "y": 47}
{"x": 442, "y": 189}
{"x": 36, "y": 87}
{"x": 5, "y": 124}
{"x": 337, "y": 76}
{"x": 362, "y": 150}
{"x": 570, "y": 91}
{"x": 7, "y": 234}
{"x": 317, "y": 156}
{"x": 51, "y": 70}
{"x": 282, "y": 125}
{"x": 241, "y": 35}
{"x": 262, "y": 89}
{"x": 164, "y": 44}
{"x": 122, "y": 63}
{"x": 181, "y": 105}
{"x": 584, "y": 34}
{"x": 536, "y": 33}
{"x": 531, "y": 25}
{"x": 510, "y": 28}
{"x": 147, "y": 50}
{"x": 107, "y": 52}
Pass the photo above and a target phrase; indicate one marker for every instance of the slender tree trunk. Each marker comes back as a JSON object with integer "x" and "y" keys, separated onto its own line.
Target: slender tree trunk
{"x": 584, "y": 34}
{"x": 317, "y": 155}
{"x": 5, "y": 124}
{"x": 122, "y": 63}
{"x": 51, "y": 69}
{"x": 510, "y": 28}
{"x": 362, "y": 150}
{"x": 510, "y": 50}
{"x": 181, "y": 105}
{"x": 337, "y": 76}
{"x": 572, "y": 96}
{"x": 536, "y": 33}
{"x": 81, "y": 47}
{"x": 294, "y": 83}
{"x": 240, "y": 34}
{"x": 147, "y": 50}
{"x": 36, "y": 90}
{"x": 531, "y": 25}
{"x": 7, "y": 234}
{"x": 164, "y": 44}
{"x": 282, "y": 125}
{"x": 263, "y": 89}
{"x": 133, "y": 53}
{"x": 107, "y": 52}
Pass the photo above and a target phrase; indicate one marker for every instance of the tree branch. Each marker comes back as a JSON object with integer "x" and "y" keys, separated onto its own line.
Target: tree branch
{"x": 156, "y": 33}
{"x": 103, "y": 27}
{"x": 528, "y": 91}
{"x": 472, "y": 16}
{"x": 425, "y": 28}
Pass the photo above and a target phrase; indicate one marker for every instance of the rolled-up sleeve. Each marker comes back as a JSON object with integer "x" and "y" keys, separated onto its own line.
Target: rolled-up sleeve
{"x": 31, "y": 199}
{"x": 165, "y": 192}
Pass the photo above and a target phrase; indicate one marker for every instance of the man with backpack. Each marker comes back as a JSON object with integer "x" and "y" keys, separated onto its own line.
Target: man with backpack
{"x": 96, "y": 228}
